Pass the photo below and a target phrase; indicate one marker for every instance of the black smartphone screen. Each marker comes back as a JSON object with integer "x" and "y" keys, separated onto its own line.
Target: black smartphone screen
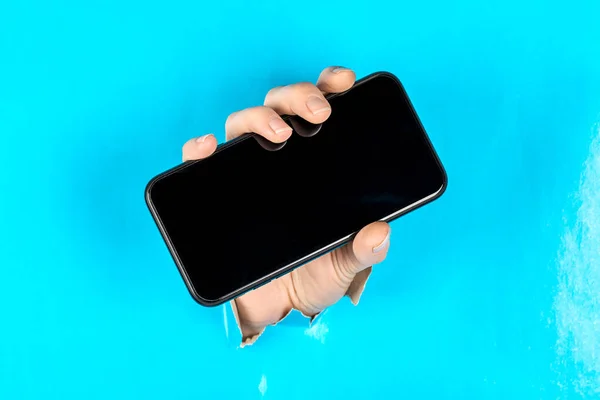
{"x": 246, "y": 214}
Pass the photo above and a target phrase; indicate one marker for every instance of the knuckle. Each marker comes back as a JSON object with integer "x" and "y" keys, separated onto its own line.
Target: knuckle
{"x": 230, "y": 117}
{"x": 245, "y": 115}
{"x": 254, "y": 112}
{"x": 267, "y": 113}
{"x": 272, "y": 92}
{"x": 255, "y": 115}
{"x": 263, "y": 110}
{"x": 304, "y": 87}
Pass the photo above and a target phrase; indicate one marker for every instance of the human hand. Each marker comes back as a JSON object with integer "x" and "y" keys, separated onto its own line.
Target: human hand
{"x": 322, "y": 282}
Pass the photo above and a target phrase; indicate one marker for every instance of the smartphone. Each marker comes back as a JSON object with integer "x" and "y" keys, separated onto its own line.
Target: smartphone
{"x": 254, "y": 211}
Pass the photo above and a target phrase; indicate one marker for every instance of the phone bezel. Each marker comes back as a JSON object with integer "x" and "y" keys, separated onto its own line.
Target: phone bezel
{"x": 288, "y": 268}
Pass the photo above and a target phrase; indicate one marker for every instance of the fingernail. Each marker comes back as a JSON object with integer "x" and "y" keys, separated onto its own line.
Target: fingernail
{"x": 279, "y": 126}
{"x": 336, "y": 70}
{"x": 317, "y": 105}
{"x": 384, "y": 242}
{"x": 201, "y": 139}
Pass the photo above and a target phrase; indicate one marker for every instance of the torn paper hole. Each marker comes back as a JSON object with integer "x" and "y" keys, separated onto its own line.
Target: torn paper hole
{"x": 225, "y": 321}
{"x": 262, "y": 386}
{"x": 318, "y": 330}
{"x": 577, "y": 301}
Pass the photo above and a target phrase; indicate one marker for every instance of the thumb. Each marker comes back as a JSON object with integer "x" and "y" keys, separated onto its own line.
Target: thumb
{"x": 370, "y": 246}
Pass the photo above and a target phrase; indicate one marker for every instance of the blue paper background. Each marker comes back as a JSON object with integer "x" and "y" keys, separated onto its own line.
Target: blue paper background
{"x": 98, "y": 96}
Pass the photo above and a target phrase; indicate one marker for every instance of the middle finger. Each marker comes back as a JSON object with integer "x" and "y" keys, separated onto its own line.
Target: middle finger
{"x": 261, "y": 120}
